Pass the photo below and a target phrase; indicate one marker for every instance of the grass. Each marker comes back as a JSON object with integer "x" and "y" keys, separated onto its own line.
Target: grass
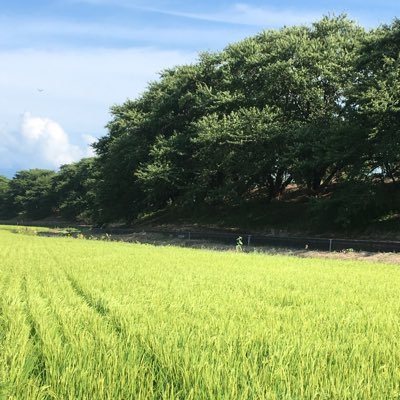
{"x": 293, "y": 213}
{"x": 83, "y": 319}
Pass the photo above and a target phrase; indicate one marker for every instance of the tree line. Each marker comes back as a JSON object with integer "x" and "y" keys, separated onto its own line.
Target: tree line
{"x": 316, "y": 108}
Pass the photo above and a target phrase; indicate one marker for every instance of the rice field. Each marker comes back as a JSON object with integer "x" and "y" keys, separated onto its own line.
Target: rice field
{"x": 82, "y": 319}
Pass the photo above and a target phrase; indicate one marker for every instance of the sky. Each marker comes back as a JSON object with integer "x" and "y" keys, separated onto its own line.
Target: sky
{"x": 64, "y": 63}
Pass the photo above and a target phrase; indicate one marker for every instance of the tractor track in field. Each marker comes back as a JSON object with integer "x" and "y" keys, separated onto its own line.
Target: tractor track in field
{"x": 96, "y": 305}
{"x": 3, "y": 320}
{"x": 37, "y": 362}
{"x": 149, "y": 357}
{"x": 55, "y": 314}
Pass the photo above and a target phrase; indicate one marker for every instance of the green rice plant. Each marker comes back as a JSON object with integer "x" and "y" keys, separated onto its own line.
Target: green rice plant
{"x": 84, "y": 319}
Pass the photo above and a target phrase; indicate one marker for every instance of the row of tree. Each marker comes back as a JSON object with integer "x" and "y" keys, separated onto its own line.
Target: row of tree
{"x": 313, "y": 106}
{"x": 41, "y": 193}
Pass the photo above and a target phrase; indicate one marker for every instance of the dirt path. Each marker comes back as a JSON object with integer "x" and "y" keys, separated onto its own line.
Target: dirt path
{"x": 162, "y": 240}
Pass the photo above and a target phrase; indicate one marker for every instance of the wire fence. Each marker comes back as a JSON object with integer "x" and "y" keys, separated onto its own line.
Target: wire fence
{"x": 255, "y": 240}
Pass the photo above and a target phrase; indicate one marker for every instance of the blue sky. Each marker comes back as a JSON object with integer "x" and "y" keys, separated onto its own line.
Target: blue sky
{"x": 65, "y": 62}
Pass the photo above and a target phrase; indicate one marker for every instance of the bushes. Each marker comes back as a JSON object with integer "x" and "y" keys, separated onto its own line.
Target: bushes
{"x": 353, "y": 205}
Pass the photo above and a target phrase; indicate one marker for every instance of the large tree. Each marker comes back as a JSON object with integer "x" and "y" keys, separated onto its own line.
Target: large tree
{"x": 305, "y": 72}
{"x": 31, "y": 193}
{"x": 74, "y": 188}
{"x": 375, "y": 103}
{"x": 5, "y": 206}
{"x": 240, "y": 153}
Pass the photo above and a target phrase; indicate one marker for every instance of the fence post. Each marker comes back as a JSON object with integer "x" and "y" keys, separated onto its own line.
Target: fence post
{"x": 248, "y": 240}
{"x": 330, "y": 244}
{"x": 189, "y": 236}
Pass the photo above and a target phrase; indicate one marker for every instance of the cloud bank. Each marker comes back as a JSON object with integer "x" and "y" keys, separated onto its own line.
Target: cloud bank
{"x": 41, "y": 142}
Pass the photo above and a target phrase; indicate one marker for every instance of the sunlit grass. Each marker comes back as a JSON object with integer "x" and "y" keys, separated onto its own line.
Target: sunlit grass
{"x": 84, "y": 319}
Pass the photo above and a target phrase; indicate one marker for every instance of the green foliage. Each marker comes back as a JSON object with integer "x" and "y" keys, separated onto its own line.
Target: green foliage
{"x": 5, "y": 206}
{"x": 250, "y": 119}
{"x": 74, "y": 186}
{"x": 31, "y": 194}
{"x": 353, "y": 205}
{"x": 119, "y": 154}
{"x": 376, "y": 99}
{"x": 246, "y": 147}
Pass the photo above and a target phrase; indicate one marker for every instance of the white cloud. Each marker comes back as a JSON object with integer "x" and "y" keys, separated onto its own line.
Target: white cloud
{"x": 287, "y": 13}
{"x": 48, "y": 141}
{"x": 89, "y": 140}
{"x": 245, "y": 14}
{"x": 40, "y": 142}
{"x": 238, "y": 13}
